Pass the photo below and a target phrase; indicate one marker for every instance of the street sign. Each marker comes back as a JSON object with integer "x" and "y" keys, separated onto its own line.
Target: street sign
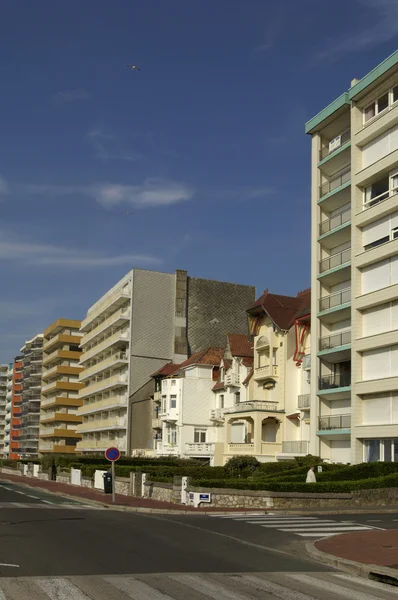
{"x": 112, "y": 454}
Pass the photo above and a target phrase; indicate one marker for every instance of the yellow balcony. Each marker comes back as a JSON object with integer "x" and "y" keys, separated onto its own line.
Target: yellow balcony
{"x": 113, "y": 321}
{"x": 67, "y": 386}
{"x": 58, "y": 432}
{"x": 50, "y": 447}
{"x": 118, "y": 338}
{"x": 57, "y": 401}
{"x": 100, "y": 445}
{"x": 59, "y": 417}
{"x": 60, "y": 325}
{"x": 106, "y": 404}
{"x": 59, "y": 356}
{"x": 109, "y": 304}
{"x": 115, "y": 360}
{"x": 60, "y": 340}
{"x": 104, "y": 384}
{"x": 61, "y": 370}
{"x": 102, "y": 424}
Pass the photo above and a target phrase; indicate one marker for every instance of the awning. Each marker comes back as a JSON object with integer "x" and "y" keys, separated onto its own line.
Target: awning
{"x": 294, "y": 416}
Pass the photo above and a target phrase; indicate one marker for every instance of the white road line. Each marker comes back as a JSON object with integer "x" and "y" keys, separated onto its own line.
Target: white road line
{"x": 305, "y": 525}
{"x": 31, "y": 496}
{"x": 46, "y": 501}
{"x": 353, "y": 579}
{"x": 281, "y": 519}
{"x": 317, "y": 535}
{"x": 331, "y": 587}
{"x": 206, "y": 588}
{"x": 9, "y": 565}
{"x": 133, "y": 588}
{"x": 287, "y": 523}
{"x": 270, "y": 587}
{"x": 320, "y": 529}
{"x": 61, "y": 589}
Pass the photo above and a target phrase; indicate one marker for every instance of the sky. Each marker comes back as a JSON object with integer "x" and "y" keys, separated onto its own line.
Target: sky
{"x": 204, "y": 146}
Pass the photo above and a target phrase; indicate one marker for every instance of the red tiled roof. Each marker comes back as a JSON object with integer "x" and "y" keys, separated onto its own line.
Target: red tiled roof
{"x": 283, "y": 310}
{"x": 240, "y": 345}
{"x": 227, "y": 363}
{"x": 218, "y": 386}
{"x": 248, "y": 377}
{"x": 210, "y": 356}
{"x": 247, "y": 362}
{"x": 166, "y": 370}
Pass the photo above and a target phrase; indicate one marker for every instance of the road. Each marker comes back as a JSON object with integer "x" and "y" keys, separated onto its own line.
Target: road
{"x": 53, "y": 549}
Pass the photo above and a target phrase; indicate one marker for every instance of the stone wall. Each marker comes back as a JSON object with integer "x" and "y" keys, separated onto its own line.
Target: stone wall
{"x": 64, "y": 478}
{"x": 382, "y": 497}
{"x": 122, "y": 486}
{"x": 159, "y": 491}
{"x": 88, "y": 482}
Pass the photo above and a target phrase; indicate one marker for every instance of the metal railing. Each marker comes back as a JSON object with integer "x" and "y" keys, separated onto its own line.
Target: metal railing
{"x": 304, "y": 401}
{"x": 335, "y": 183}
{"x": 335, "y": 340}
{"x": 335, "y": 260}
{"x": 295, "y": 447}
{"x": 334, "y": 300}
{"x": 336, "y": 380}
{"x": 332, "y": 422}
{"x": 328, "y": 150}
{"x": 332, "y": 223}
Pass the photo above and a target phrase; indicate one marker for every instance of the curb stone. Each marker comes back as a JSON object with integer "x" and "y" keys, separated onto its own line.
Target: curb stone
{"x": 350, "y": 566}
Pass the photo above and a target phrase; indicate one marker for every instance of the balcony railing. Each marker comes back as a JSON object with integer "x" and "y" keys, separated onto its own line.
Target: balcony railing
{"x": 232, "y": 379}
{"x": 332, "y": 422}
{"x": 336, "y": 221}
{"x": 304, "y": 401}
{"x": 335, "y": 144}
{"x": 335, "y": 300}
{"x": 335, "y": 260}
{"x": 117, "y": 401}
{"x": 335, "y": 340}
{"x": 295, "y": 447}
{"x": 266, "y": 371}
{"x": 104, "y": 364}
{"x": 337, "y": 380}
{"x": 250, "y": 406}
{"x": 199, "y": 448}
{"x": 111, "y": 321}
{"x": 240, "y": 448}
{"x": 334, "y": 183}
{"x": 217, "y": 414}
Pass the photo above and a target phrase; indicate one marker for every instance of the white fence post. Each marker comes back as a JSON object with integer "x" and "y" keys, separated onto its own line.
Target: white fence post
{"x": 143, "y": 480}
{"x": 184, "y": 486}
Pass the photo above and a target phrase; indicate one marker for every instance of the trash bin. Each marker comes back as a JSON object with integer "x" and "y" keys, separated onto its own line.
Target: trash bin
{"x": 108, "y": 483}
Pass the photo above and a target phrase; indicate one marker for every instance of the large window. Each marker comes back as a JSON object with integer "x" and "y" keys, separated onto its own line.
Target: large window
{"x": 380, "y": 275}
{"x": 380, "y": 104}
{"x": 381, "y": 146}
{"x": 385, "y": 450}
{"x": 221, "y": 401}
{"x": 172, "y": 435}
{"x": 164, "y": 400}
{"x": 381, "y": 190}
{"x": 199, "y": 436}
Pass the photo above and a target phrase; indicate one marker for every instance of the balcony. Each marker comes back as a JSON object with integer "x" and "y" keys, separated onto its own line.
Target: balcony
{"x": 59, "y": 355}
{"x": 59, "y": 340}
{"x": 335, "y": 184}
{"x": 335, "y": 268}
{"x": 107, "y": 305}
{"x": 335, "y": 307}
{"x": 232, "y": 380}
{"x": 100, "y": 445}
{"x": 104, "y": 384}
{"x": 55, "y": 448}
{"x": 335, "y": 231}
{"x": 156, "y": 421}
{"x": 337, "y": 384}
{"x": 251, "y": 406}
{"x": 119, "y": 337}
{"x": 64, "y": 401}
{"x": 217, "y": 414}
{"x": 59, "y": 432}
{"x": 266, "y": 372}
{"x": 336, "y": 346}
{"x": 113, "y": 321}
{"x": 162, "y": 447}
{"x": 63, "y": 385}
{"x": 115, "y": 360}
{"x": 304, "y": 401}
{"x": 105, "y": 404}
{"x": 336, "y": 424}
{"x": 331, "y": 147}
{"x": 102, "y": 424}
{"x": 234, "y": 448}
{"x": 295, "y": 447}
{"x": 52, "y": 416}
{"x": 61, "y": 370}
{"x": 199, "y": 449}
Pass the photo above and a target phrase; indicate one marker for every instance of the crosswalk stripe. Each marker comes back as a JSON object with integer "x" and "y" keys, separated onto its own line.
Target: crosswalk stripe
{"x": 317, "y": 535}
{"x": 331, "y": 587}
{"x": 61, "y": 589}
{"x": 352, "y": 579}
{"x": 275, "y": 520}
{"x": 207, "y": 588}
{"x": 321, "y": 529}
{"x": 137, "y": 590}
{"x": 270, "y": 587}
{"x": 288, "y": 523}
{"x": 320, "y": 524}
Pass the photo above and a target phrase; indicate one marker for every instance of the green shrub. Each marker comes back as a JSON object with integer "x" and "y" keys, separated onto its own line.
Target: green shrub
{"x": 241, "y": 465}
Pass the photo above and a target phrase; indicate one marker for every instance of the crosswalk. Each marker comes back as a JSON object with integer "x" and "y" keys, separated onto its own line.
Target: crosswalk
{"x": 303, "y": 526}
{"x": 197, "y": 586}
{"x": 47, "y": 504}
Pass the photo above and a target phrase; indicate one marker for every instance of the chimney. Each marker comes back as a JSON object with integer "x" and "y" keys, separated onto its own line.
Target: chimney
{"x": 355, "y": 81}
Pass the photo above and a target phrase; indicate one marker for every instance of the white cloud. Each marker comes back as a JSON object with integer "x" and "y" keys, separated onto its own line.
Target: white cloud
{"x": 107, "y": 146}
{"x": 381, "y": 26}
{"x": 36, "y": 254}
{"x": 67, "y": 96}
{"x": 3, "y": 186}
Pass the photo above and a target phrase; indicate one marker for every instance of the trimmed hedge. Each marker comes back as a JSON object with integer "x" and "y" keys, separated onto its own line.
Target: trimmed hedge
{"x": 66, "y": 460}
{"x": 158, "y": 471}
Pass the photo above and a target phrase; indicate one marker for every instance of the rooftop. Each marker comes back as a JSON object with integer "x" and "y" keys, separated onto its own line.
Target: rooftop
{"x": 283, "y": 310}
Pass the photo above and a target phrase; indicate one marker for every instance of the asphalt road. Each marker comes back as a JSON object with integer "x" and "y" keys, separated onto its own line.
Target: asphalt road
{"x": 60, "y": 551}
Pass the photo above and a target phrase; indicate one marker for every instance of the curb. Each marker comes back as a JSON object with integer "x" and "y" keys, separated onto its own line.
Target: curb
{"x": 352, "y": 567}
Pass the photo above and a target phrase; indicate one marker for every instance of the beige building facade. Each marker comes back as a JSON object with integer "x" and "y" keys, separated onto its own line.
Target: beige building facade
{"x": 354, "y": 271}
{"x": 60, "y": 388}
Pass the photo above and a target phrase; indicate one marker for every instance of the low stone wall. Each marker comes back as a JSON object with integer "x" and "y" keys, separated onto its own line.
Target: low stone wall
{"x": 381, "y": 497}
{"x": 64, "y": 478}
{"x": 88, "y": 482}
{"x": 8, "y": 471}
{"x": 159, "y": 491}
{"x": 122, "y": 486}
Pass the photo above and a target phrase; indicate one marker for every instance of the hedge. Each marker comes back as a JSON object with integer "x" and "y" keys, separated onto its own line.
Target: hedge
{"x": 301, "y": 487}
{"x": 153, "y": 470}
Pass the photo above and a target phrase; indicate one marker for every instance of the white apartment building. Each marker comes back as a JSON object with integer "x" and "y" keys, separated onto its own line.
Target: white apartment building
{"x": 185, "y": 428}
{"x": 3, "y": 401}
{"x": 354, "y": 271}
{"x": 32, "y": 358}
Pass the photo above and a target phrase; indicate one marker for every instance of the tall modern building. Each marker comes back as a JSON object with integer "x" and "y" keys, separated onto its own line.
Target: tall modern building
{"x": 13, "y": 427}
{"x": 60, "y": 388}
{"x": 145, "y": 320}
{"x": 3, "y": 394}
{"x": 32, "y": 356}
{"x": 354, "y": 407}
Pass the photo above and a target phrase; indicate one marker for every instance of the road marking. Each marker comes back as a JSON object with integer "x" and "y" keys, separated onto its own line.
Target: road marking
{"x": 321, "y": 529}
{"x": 318, "y": 524}
{"x": 275, "y": 589}
{"x": 9, "y": 565}
{"x": 287, "y": 523}
{"x": 31, "y": 496}
{"x": 373, "y": 520}
{"x": 206, "y": 587}
{"x": 61, "y": 589}
{"x": 133, "y": 588}
{"x": 317, "y": 535}
{"x": 331, "y": 587}
{"x": 46, "y": 501}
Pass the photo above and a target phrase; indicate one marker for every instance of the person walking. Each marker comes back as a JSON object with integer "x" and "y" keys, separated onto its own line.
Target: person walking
{"x": 311, "y": 478}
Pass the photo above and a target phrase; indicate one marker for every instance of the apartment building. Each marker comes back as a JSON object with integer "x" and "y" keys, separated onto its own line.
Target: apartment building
{"x": 3, "y": 394}
{"x": 60, "y": 387}
{"x": 13, "y": 427}
{"x": 32, "y": 355}
{"x": 146, "y": 320}
{"x": 354, "y": 393}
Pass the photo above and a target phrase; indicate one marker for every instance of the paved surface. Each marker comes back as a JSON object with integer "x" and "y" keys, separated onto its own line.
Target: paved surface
{"x": 372, "y": 548}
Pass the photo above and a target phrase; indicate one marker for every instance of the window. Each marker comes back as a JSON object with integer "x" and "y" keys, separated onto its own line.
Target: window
{"x": 381, "y": 146}
{"x": 381, "y": 190}
{"x": 381, "y": 231}
{"x": 173, "y": 401}
{"x": 237, "y": 397}
{"x": 172, "y": 435}
{"x": 380, "y": 319}
{"x": 395, "y": 93}
{"x": 381, "y": 104}
{"x": 173, "y": 382}
{"x": 380, "y": 363}
{"x": 221, "y": 400}
{"x": 164, "y": 399}
{"x": 372, "y": 450}
{"x": 385, "y": 450}
{"x": 199, "y": 436}
{"x": 380, "y": 275}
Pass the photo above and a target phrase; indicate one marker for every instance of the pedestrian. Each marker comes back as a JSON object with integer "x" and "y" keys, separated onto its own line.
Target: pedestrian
{"x": 54, "y": 472}
{"x": 311, "y": 478}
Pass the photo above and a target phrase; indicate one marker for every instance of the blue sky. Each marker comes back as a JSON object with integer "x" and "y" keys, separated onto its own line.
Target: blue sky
{"x": 205, "y": 144}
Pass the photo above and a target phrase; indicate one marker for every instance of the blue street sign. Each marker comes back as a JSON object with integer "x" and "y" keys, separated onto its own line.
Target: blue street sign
{"x": 112, "y": 454}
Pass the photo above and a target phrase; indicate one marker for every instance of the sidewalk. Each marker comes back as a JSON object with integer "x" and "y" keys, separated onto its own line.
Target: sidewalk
{"x": 88, "y": 495}
{"x": 371, "y": 554}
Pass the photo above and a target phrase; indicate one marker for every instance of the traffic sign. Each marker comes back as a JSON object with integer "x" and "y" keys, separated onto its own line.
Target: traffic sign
{"x": 112, "y": 454}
